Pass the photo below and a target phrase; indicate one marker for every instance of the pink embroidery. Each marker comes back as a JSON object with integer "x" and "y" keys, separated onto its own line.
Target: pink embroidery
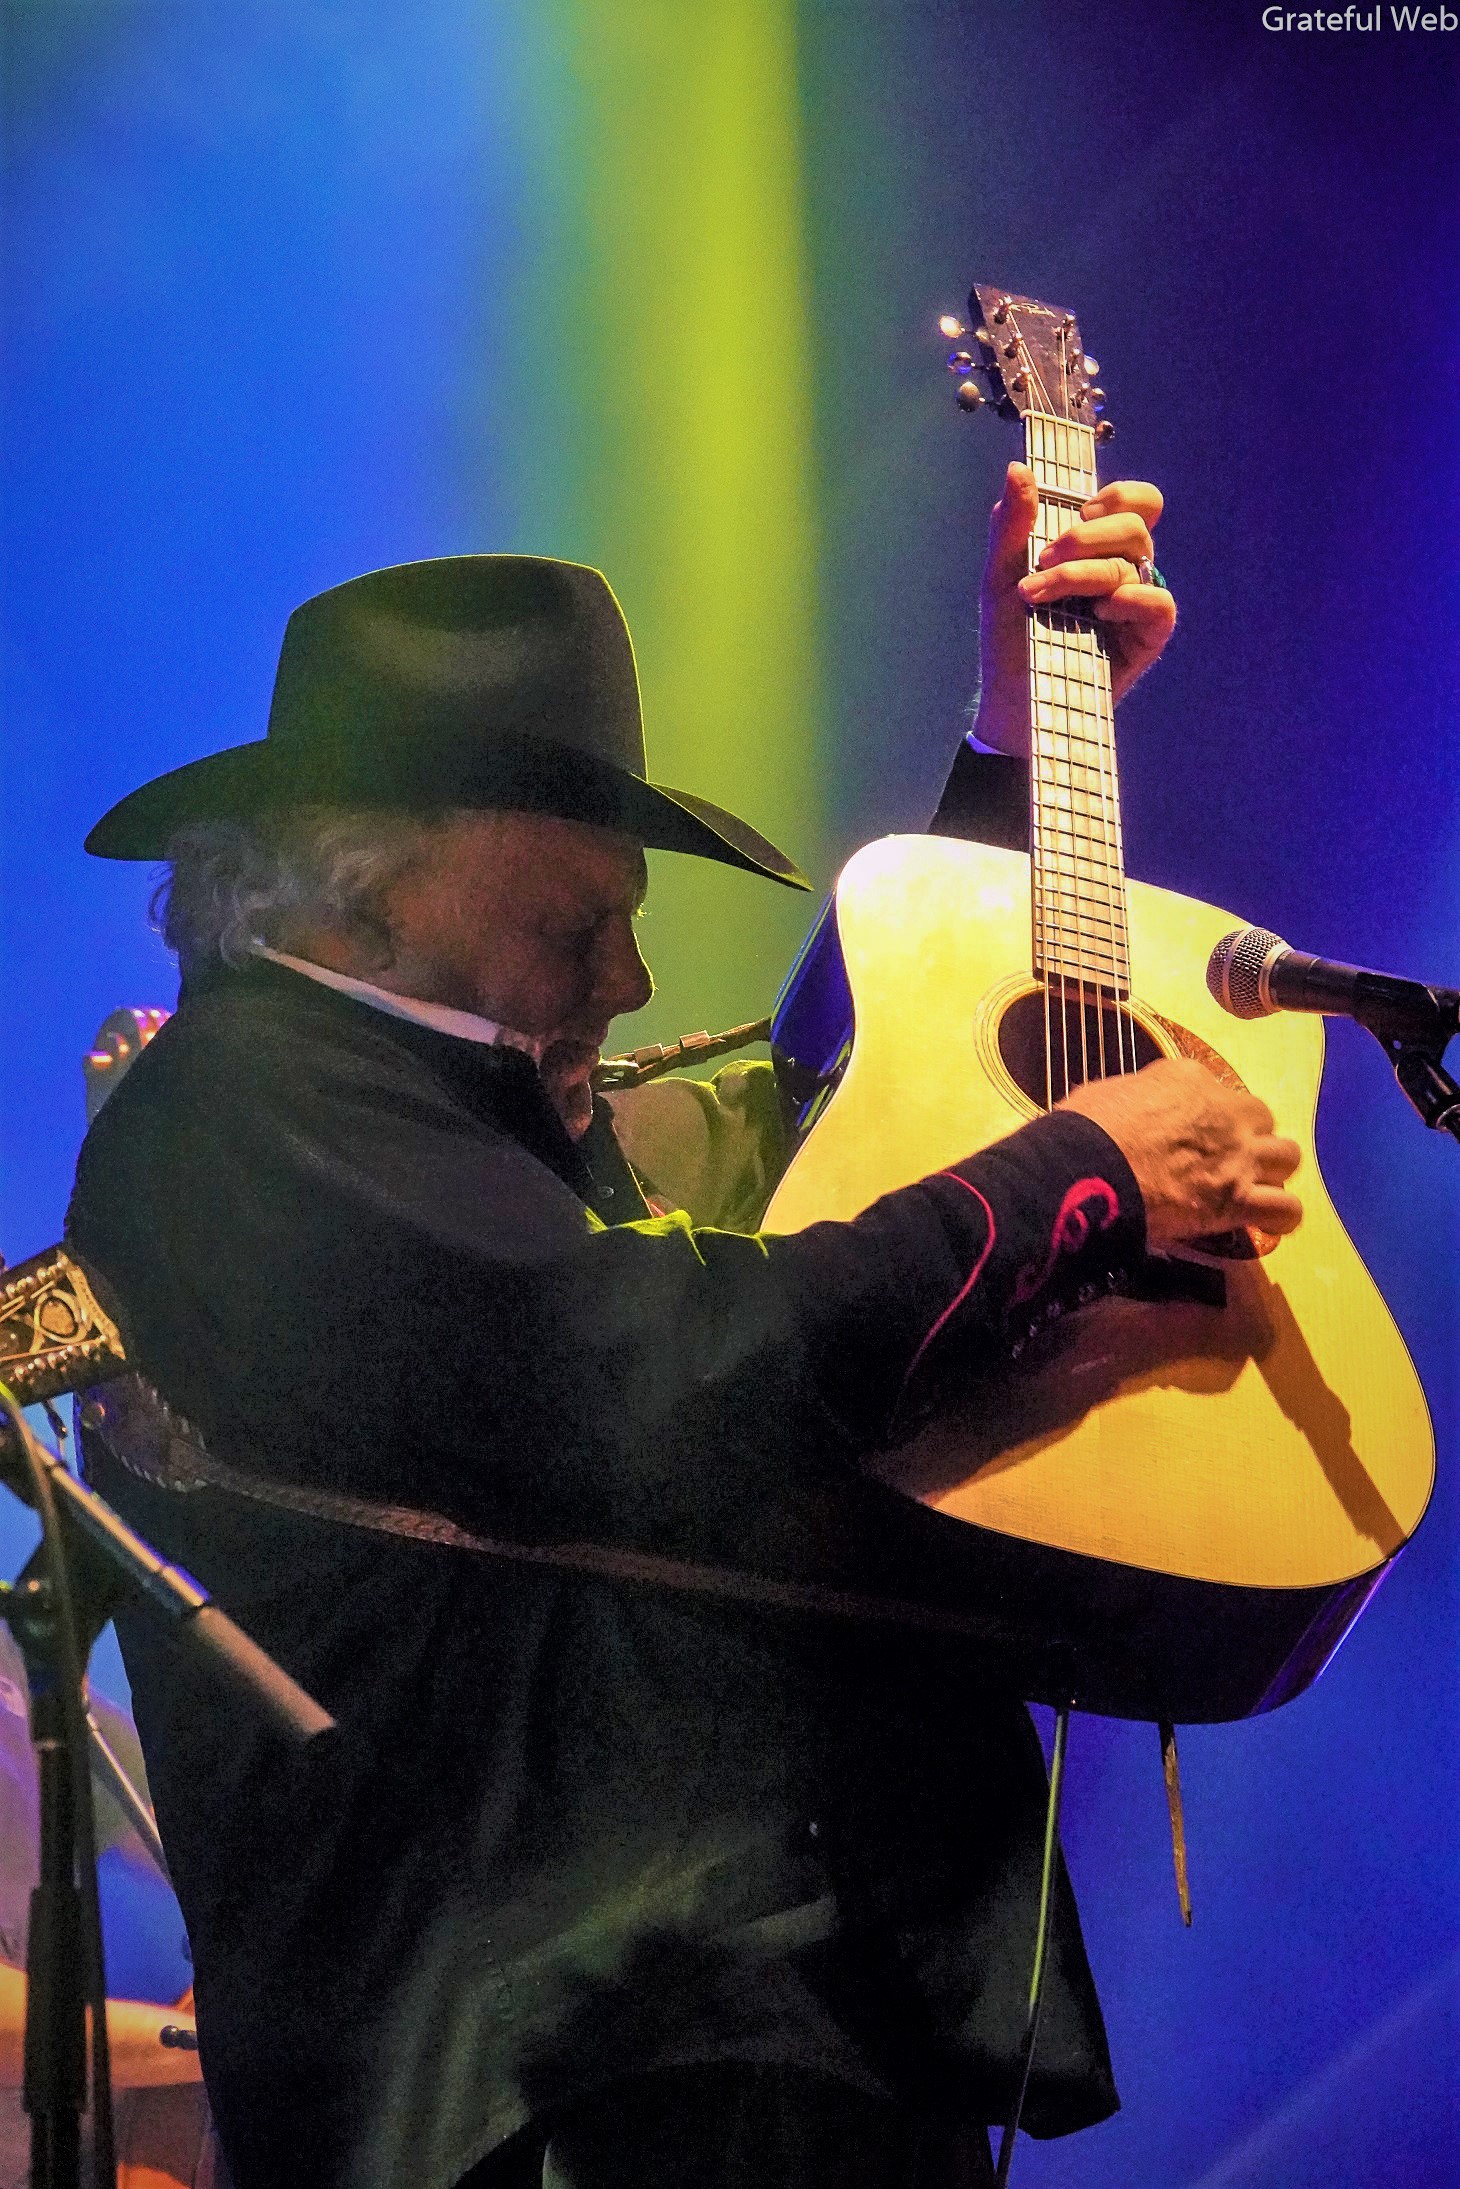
{"x": 965, "y": 1288}
{"x": 1071, "y": 1230}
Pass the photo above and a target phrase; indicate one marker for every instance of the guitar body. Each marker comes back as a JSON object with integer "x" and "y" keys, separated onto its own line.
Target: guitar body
{"x": 1185, "y": 1503}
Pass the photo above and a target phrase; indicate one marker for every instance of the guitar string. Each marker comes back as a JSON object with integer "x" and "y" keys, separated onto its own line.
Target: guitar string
{"x": 1055, "y": 770}
{"x": 1060, "y": 767}
{"x": 1065, "y": 472}
{"x": 1092, "y": 658}
{"x": 1044, "y": 754}
{"x": 1037, "y": 810}
{"x": 1052, "y": 439}
{"x": 1058, "y": 447}
{"x": 1125, "y": 1019}
{"x": 1110, "y": 797}
{"x": 1113, "y": 924}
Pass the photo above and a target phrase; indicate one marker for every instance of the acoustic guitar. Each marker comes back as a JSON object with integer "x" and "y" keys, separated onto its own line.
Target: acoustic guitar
{"x": 1181, "y": 1502}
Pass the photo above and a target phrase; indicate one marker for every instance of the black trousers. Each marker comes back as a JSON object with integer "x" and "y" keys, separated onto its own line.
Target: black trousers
{"x": 737, "y": 2127}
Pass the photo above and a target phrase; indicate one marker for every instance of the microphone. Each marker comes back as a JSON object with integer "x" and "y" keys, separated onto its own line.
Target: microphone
{"x": 1252, "y": 972}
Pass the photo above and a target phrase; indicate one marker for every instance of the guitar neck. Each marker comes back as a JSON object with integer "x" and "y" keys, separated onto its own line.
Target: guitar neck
{"x": 1080, "y": 931}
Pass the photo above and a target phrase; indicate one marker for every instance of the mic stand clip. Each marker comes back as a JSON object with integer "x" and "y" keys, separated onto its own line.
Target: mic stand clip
{"x": 1420, "y": 1071}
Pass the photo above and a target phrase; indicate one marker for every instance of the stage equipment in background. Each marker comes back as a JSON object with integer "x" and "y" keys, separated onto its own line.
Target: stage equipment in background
{"x": 642, "y": 1065}
{"x": 120, "y": 1040}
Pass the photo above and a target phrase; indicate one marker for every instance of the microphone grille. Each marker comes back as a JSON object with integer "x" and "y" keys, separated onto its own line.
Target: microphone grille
{"x": 1234, "y": 970}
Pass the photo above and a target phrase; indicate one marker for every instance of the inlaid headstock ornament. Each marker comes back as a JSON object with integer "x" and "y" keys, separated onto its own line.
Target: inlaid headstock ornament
{"x": 54, "y": 1333}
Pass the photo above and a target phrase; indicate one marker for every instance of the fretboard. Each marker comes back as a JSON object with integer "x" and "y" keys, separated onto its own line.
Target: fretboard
{"x": 1080, "y": 933}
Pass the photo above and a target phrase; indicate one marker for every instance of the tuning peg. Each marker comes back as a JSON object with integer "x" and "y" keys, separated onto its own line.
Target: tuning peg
{"x": 985, "y": 341}
{"x": 950, "y": 326}
{"x": 959, "y": 361}
{"x": 1091, "y": 366}
{"x": 967, "y": 396}
{"x": 1105, "y": 431}
{"x": 1001, "y": 311}
{"x": 1095, "y": 397}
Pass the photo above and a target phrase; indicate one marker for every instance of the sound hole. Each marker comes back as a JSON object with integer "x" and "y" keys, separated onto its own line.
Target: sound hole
{"x": 1050, "y": 1045}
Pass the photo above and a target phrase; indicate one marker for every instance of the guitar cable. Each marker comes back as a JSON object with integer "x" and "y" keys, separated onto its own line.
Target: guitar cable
{"x": 1041, "y": 1941}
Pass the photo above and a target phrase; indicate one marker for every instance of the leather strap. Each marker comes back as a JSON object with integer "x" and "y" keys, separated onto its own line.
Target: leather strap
{"x": 144, "y": 1434}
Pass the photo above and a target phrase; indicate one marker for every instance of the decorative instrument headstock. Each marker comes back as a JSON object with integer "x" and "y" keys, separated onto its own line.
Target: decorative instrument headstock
{"x": 55, "y": 1334}
{"x": 1030, "y": 358}
{"x": 120, "y": 1040}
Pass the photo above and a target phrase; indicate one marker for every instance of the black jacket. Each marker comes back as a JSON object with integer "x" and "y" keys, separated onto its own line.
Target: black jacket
{"x": 576, "y": 1829}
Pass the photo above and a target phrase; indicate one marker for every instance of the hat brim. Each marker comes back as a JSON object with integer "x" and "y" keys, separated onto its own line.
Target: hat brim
{"x": 527, "y": 774}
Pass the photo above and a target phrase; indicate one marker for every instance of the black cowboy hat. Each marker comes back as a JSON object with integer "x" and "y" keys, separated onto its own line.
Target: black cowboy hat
{"x": 474, "y": 680}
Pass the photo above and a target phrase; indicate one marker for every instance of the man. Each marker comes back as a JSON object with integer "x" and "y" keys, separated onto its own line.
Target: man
{"x": 607, "y": 1882}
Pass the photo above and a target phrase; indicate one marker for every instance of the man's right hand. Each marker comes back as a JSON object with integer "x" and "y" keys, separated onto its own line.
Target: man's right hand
{"x": 1205, "y": 1158}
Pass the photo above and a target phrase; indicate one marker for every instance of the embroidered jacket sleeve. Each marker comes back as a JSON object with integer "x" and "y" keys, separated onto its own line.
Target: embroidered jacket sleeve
{"x": 330, "y": 1262}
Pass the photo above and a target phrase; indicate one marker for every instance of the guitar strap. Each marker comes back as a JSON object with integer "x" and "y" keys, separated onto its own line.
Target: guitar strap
{"x": 154, "y": 1442}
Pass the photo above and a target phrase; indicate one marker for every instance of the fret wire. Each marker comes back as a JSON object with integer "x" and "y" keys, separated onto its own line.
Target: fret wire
{"x": 1114, "y": 961}
{"x": 1071, "y": 736}
{"x": 1098, "y": 914}
{"x": 1067, "y": 978}
{"x": 1054, "y": 802}
{"x": 1097, "y": 882}
{"x": 1106, "y": 939}
{"x": 1058, "y": 939}
{"x": 1100, "y": 919}
{"x": 1059, "y": 807}
{"x": 1100, "y": 871}
{"x": 1061, "y": 943}
{"x": 1060, "y": 842}
{"x": 1100, "y": 922}
{"x": 1063, "y": 804}
{"x": 1105, "y": 933}
{"x": 1105, "y": 936}
{"x": 1064, "y": 937}
{"x": 1074, "y": 661}
{"x": 1059, "y": 932}
{"x": 1091, "y": 889}
{"x": 1063, "y": 840}
{"x": 1104, "y": 929}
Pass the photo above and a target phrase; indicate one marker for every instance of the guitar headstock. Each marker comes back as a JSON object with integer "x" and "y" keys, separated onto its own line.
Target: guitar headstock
{"x": 1030, "y": 358}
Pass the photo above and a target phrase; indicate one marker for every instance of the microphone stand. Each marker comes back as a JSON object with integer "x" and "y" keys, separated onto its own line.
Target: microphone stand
{"x": 1414, "y": 1024}
{"x": 88, "y": 1562}
{"x": 1422, "y": 1075}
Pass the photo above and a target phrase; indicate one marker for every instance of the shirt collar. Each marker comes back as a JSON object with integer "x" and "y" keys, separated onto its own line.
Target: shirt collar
{"x": 465, "y": 1025}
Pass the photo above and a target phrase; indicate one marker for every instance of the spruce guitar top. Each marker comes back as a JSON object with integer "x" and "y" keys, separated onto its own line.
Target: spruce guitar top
{"x": 1191, "y": 1499}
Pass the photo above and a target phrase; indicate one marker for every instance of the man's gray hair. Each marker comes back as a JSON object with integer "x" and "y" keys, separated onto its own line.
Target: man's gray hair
{"x": 232, "y": 884}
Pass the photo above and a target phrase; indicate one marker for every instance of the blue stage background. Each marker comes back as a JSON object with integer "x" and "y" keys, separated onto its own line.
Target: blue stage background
{"x": 265, "y": 271}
